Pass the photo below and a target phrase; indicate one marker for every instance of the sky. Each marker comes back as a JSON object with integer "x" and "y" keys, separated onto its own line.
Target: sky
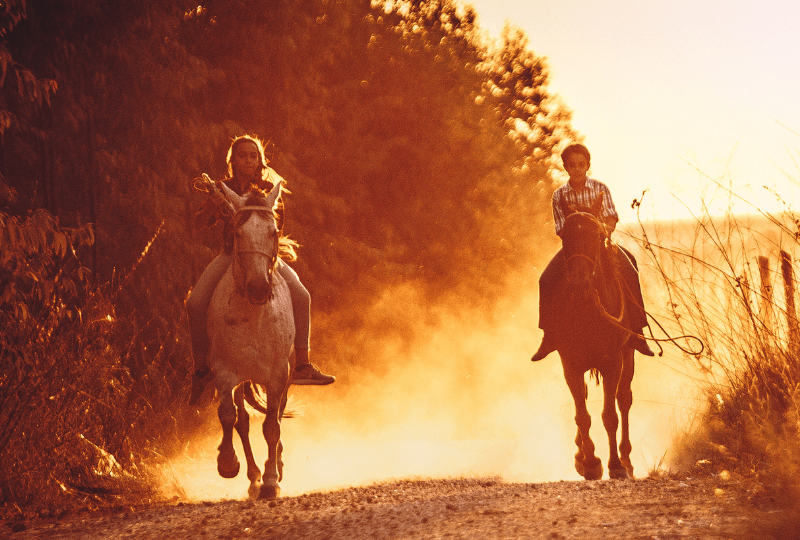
{"x": 675, "y": 97}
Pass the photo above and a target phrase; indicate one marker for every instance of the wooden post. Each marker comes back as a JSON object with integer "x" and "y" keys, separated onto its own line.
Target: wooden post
{"x": 766, "y": 293}
{"x": 789, "y": 290}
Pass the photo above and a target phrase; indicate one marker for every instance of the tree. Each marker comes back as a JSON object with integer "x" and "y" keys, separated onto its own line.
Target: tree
{"x": 414, "y": 152}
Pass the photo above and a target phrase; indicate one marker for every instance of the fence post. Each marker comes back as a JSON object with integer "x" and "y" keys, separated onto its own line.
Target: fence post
{"x": 789, "y": 290}
{"x": 766, "y": 293}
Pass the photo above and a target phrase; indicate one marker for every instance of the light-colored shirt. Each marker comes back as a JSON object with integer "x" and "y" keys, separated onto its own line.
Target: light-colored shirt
{"x": 584, "y": 197}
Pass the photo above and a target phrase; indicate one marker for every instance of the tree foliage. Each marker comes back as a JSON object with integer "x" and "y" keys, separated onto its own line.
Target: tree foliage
{"x": 413, "y": 150}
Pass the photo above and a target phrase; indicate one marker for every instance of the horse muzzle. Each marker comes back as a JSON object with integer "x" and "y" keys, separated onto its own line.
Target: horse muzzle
{"x": 257, "y": 290}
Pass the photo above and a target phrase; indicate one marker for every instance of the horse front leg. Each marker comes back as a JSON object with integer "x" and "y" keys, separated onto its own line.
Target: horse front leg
{"x": 276, "y": 402}
{"x": 587, "y": 464}
{"x": 280, "y": 442}
{"x": 243, "y": 429}
{"x": 625, "y": 401}
{"x": 611, "y": 379}
{"x": 227, "y": 462}
{"x": 271, "y": 489}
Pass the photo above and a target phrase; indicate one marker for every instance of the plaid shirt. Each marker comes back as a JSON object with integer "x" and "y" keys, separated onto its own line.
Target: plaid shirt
{"x": 584, "y": 197}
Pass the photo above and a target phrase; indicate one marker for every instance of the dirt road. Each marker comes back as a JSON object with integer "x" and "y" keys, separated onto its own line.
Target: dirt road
{"x": 455, "y": 508}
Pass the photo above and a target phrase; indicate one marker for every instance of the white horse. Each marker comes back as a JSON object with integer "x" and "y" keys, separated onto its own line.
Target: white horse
{"x": 251, "y": 331}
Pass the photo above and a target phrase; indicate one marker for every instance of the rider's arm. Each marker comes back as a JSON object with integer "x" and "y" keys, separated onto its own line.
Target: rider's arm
{"x": 213, "y": 209}
{"x": 608, "y": 212}
{"x": 207, "y": 215}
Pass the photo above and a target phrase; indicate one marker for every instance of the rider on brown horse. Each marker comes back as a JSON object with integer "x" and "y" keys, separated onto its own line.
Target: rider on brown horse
{"x": 582, "y": 191}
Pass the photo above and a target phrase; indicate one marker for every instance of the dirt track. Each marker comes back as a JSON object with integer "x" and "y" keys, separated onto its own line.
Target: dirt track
{"x": 459, "y": 508}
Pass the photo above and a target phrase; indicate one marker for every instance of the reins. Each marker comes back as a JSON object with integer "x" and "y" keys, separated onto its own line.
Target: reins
{"x": 617, "y": 321}
{"x": 657, "y": 341}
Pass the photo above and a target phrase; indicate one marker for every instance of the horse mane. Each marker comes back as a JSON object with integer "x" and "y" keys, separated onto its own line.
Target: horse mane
{"x": 255, "y": 196}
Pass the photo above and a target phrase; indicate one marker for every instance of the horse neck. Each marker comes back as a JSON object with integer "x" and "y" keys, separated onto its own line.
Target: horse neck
{"x": 607, "y": 282}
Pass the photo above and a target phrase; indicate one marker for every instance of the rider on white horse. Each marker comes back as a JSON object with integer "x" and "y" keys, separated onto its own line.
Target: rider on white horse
{"x": 583, "y": 191}
{"x": 247, "y": 168}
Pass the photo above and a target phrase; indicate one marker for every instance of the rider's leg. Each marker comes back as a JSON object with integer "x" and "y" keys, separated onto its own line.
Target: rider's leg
{"x": 547, "y": 317}
{"x": 630, "y": 274}
{"x": 196, "y": 308}
{"x": 304, "y": 372}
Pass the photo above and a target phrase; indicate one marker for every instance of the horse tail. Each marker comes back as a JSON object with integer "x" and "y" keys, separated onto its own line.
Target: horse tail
{"x": 595, "y": 374}
{"x": 256, "y": 397}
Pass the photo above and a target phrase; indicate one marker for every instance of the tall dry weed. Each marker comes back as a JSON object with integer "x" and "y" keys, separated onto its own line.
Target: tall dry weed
{"x": 88, "y": 397}
{"x": 719, "y": 280}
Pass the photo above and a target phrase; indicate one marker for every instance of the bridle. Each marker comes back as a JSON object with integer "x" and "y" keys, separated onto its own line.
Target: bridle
{"x": 273, "y": 255}
{"x": 596, "y": 263}
{"x": 617, "y": 321}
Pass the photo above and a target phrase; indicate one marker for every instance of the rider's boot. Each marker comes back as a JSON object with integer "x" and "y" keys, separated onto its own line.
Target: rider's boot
{"x": 307, "y": 373}
{"x": 548, "y": 345}
{"x": 200, "y": 379}
{"x": 640, "y": 344}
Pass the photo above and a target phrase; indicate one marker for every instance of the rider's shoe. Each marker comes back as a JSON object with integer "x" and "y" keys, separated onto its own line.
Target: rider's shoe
{"x": 200, "y": 380}
{"x": 640, "y": 344}
{"x": 548, "y": 345}
{"x": 310, "y": 374}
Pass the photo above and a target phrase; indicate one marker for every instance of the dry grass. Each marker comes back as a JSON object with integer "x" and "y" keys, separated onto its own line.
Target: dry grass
{"x": 729, "y": 281}
{"x": 89, "y": 399}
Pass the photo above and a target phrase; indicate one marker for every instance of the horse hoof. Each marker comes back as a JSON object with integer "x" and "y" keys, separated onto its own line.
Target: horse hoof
{"x": 629, "y": 468}
{"x": 619, "y": 474}
{"x": 227, "y": 467}
{"x": 254, "y": 491}
{"x": 593, "y": 473}
{"x": 270, "y": 491}
{"x": 228, "y": 473}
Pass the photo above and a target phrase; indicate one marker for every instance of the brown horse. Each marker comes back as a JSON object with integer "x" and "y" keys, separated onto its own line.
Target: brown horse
{"x": 591, "y": 335}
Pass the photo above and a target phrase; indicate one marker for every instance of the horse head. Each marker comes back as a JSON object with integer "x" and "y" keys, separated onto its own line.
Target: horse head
{"x": 583, "y": 239}
{"x": 255, "y": 243}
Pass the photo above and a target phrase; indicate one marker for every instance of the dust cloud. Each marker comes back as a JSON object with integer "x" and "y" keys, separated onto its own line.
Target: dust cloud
{"x": 459, "y": 399}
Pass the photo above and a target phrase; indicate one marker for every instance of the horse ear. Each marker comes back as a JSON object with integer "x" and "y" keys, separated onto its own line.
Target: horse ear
{"x": 237, "y": 200}
{"x": 273, "y": 195}
{"x": 597, "y": 205}
{"x": 565, "y": 207}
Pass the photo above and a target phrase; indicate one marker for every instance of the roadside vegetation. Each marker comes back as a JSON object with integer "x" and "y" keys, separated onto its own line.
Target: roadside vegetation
{"x": 730, "y": 281}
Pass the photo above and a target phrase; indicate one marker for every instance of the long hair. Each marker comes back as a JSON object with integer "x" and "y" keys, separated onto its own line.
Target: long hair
{"x": 242, "y": 139}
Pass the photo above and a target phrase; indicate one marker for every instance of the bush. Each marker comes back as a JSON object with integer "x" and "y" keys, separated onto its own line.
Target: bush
{"x": 75, "y": 424}
{"x": 720, "y": 288}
